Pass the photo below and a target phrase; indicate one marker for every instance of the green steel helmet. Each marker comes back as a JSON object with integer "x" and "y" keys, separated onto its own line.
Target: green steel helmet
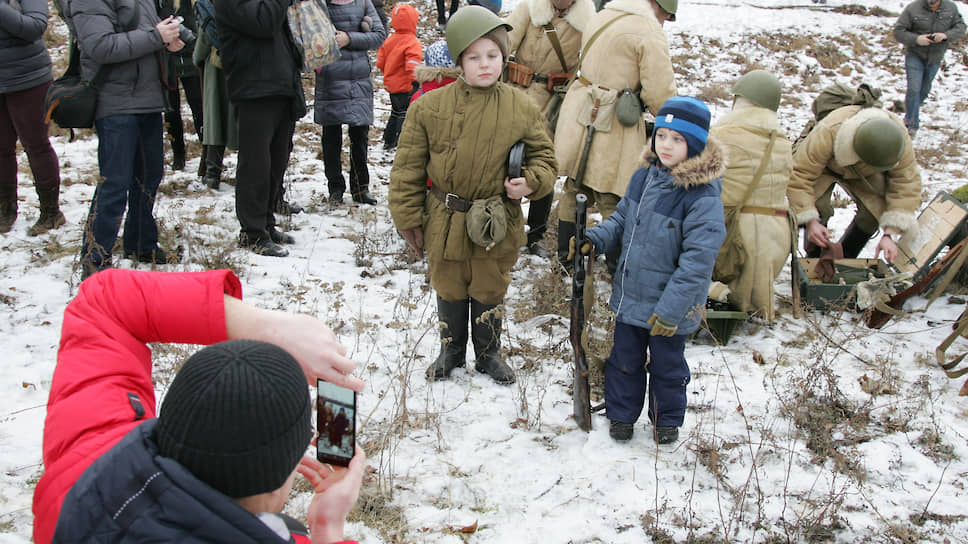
{"x": 670, "y": 6}
{"x": 469, "y": 24}
{"x": 879, "y": 142}
{"x": 759, "y": 87}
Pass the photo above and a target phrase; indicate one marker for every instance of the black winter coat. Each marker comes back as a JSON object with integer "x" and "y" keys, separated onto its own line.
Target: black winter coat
{"x": 133, "y": 494}
{"x": 259, "y": 55}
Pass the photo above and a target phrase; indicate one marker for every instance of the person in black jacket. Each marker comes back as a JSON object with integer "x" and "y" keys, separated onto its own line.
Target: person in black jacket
{"x": 181, "y": 69}
{"x": 262, "y": 65}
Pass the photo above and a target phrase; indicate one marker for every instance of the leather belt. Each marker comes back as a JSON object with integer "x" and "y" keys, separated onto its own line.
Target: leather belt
{"x": 763, "y": 210}
{"x": 590, "y": 83}
{"x": 451, "y": 201}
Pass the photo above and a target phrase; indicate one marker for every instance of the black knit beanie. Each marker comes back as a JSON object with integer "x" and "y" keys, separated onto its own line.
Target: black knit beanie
{"x": 237, "y": 416}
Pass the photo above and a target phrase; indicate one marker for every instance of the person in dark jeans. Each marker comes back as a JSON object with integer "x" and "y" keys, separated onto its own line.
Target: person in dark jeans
{"x": 128, "y": 122}
{"x": 25, "y": 77}
{"x": 262, "y": 65}
{"x": 344, "y": 96}
{"x": 442, "y": 15}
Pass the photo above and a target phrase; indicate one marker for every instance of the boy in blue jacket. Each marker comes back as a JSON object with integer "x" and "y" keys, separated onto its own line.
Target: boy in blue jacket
{"x": 669, "y": 226}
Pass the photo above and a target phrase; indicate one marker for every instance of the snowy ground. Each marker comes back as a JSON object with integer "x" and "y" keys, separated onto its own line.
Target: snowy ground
{"x": 813, "y": 429}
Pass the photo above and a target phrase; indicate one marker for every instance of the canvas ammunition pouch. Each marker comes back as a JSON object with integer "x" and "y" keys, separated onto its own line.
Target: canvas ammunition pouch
{"x": 598, "y": 108}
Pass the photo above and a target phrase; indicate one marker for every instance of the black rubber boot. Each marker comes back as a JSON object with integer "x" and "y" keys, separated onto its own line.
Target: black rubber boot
{"x": 50, "y": 215}
{"x": 177, "y": 134}
{"x": 854, "y": 240}
{"x": 213, "y": 155}
{"x": 486, "y": 336}
{"x": 566, "y": 230}
{"x": 453, "y": 338}
{"x": 8, "y": 207}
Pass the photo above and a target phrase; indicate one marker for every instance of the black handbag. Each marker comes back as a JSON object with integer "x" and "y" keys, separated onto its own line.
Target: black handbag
{"x": 71, "y": 102}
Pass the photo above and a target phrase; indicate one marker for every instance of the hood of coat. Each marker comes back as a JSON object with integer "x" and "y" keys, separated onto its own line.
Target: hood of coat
{"x": 699, "y": 170}
{"x": 635, "y": 7}
{"x": 404, "y": 19}
{"x": 424, "y": 73}
{"x": 578, "y": 14}
{"x": 844, "y": 153}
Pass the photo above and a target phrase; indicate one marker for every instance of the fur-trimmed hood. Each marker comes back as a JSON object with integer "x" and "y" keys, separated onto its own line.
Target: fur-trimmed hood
{"x": 635, "y": 7}
{"x": 424, "y": 73}
{"x": 542, "y": 13}
{"x": 699, "y": 170}
{"x": 844, "y": 153}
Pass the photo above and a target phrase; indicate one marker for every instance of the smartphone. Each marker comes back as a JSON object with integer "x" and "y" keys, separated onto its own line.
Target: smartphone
{"x": 178, "y": 19}
{"x": 335, "y": 423}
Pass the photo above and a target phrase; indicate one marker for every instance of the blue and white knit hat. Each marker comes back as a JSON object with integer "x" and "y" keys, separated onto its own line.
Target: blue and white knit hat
{"x": 688, "y": 116}
{"x": 438, "y": 55}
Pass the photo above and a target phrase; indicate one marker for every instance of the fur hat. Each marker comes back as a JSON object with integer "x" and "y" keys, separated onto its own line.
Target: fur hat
{"x": 688, "y": 116}
{"x": 237, "y": 416}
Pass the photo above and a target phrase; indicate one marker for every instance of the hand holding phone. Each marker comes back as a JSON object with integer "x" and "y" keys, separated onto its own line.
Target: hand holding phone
{"x": 336, "y": 423}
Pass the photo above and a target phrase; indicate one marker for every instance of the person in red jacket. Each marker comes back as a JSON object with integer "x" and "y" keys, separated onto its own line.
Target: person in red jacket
{"x": 397, "y": 58}
{"x": 217, "y": 463}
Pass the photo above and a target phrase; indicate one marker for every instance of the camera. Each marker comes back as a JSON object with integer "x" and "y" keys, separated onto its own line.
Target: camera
{"x": 184, "y": 33}
{"x": 336, "y": 423}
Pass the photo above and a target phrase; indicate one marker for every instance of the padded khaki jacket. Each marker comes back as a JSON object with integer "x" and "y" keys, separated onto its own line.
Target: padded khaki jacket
{"x": 459, "y": 137}
{"x": 763, "y": 225}
{"x": 631, "y": 53}
{"x": 532, "y": 46}
{"x": 827, "y": 156}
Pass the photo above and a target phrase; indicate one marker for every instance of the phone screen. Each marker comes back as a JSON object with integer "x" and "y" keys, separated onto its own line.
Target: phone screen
{"x": 336, "y": 423}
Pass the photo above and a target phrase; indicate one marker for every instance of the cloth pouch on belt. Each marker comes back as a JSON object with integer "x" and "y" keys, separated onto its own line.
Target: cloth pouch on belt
{"x": 487, "y": 222}
{"x": 606, "y": 99}
{"x": 628, "y": 108}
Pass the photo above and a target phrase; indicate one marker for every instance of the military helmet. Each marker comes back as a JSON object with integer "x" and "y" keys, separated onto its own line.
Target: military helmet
{"x": 879, "y": 142}
{"x": 469, "y": 24}
{"x": 759, "y": 87}
{"x": 670, "y": 7}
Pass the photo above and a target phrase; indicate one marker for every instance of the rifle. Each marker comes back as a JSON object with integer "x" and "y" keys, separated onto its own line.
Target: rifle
{"x": 581, "y": 395}
{"x": 883, "y": 312}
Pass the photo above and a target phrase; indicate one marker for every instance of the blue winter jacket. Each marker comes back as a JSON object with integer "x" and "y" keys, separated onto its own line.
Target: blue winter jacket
{"x": 133, "y": 494}
{"x": 344, "y": 91}
{"x": 670, "y": 226}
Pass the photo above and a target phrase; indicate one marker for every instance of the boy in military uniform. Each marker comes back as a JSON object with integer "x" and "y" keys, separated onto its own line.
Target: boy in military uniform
{"x": 459, "y": 137}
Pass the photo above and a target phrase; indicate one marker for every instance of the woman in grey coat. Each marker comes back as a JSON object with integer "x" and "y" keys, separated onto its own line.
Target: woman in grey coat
{"x": 25, "y": 76}
{"x": 344, "y": 95}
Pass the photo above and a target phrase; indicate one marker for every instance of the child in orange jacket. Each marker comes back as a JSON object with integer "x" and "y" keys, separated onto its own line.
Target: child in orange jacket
{"x": 397, "y": 58}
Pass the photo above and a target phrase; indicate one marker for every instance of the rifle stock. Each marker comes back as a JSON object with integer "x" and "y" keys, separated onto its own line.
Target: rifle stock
{"x": 581, "y": 394}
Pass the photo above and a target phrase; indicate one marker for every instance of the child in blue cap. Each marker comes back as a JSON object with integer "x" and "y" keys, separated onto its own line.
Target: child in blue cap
{"x": 669, "y": 226}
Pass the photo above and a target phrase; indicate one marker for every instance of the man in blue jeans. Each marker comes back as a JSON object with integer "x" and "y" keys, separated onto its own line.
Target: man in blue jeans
{"x": 124, "y": 41}
{"x": 925, "y": 28}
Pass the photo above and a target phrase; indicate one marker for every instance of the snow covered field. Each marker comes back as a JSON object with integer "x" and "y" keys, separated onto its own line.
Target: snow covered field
{"x": 833, "y": 432}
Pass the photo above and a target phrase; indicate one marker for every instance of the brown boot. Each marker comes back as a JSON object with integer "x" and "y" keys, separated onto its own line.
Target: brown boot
{"x": 8, "y": 207}
{"x": 50, "y": 215}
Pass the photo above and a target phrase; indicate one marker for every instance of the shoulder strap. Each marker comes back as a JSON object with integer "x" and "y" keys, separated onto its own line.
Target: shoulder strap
{"x": 594, "y": 37}
{"x": 761, "y": 169}
{"x": 552, "y": 34}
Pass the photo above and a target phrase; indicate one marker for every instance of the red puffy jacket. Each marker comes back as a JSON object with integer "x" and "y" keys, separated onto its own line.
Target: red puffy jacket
{"x": 401, "y": 52}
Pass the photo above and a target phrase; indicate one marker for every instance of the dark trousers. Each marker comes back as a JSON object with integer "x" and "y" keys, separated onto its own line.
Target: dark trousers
{"x": 538, "y": 212}
{"x": 441, "y": 6}
{"x": 129, "y": 153}
{"x": 173, "y": 119}
{"x": 627, "y": 377}
{"x": 22, "y": 117}
{"x": 265, "y": 134}
{"x": 399, "y": 102}
{"x": 333, "y": 155}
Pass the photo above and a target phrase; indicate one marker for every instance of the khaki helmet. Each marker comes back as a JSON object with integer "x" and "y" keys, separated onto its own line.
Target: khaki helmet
{"x": 469, "y": 24}
{"x": 879, "y": 142}
{"x": 670, "y": 6}
{"x": 759, "y": 87}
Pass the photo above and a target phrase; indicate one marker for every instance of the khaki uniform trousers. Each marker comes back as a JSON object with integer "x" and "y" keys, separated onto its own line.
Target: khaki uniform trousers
{"x": 485, "y": 279}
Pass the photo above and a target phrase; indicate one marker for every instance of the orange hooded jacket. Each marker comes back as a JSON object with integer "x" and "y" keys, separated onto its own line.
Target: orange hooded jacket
{"x": 401, "y": 51}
